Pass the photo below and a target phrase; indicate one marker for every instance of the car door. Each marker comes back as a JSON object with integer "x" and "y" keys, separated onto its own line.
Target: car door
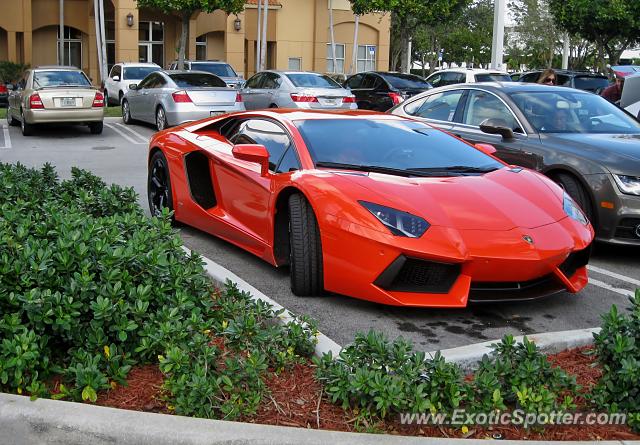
{"x": 368, "y": 99}
{"x": 481, "y": 105}
{"x": 15, "y": 95}
{"x": 113, "y": 81}
{"x": 268, "y": 89}
{"x": 438, "y": 109}
{"x": 251, "y": 90}
{"x": 245, "y": 194}
{"x": 354, "y": 84}
{"x": 138, "y": 98}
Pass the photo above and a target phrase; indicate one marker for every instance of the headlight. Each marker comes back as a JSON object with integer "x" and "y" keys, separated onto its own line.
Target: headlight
{"x": 628, "y": 184}
{"x": 399, "y": 223}
{"x": 572, "y": 209}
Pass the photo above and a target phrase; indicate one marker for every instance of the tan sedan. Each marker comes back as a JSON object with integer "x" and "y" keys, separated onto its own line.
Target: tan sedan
{"x": 55, "y": 94}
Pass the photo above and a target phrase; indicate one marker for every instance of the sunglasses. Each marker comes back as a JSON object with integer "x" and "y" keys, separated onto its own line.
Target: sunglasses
{"x": 550, "y": 80}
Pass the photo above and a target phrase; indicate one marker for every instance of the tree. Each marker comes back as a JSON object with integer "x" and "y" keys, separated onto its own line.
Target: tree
{"x": 185, "y": 9}
{"x": 612, "y": 25}
{"x": 534, "y": 38}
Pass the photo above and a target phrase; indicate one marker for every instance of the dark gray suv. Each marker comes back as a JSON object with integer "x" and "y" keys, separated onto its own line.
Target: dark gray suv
{"x": 221, "y": 69}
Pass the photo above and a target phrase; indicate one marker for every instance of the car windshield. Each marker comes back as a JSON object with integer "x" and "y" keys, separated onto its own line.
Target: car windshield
{"x": 493, "y": 77}
{"x": 590, "y": 83}
{"x": 573, "y": 111}
{"x": 60, "y": 78}
{"x": 138, "y": 72}
{"x": 403, "y": 81}
{"x": 402, "y": 145}
{"x": 309, "y": 80}
{"x": 186, "y": 80}
{"x": 219, "y": 69}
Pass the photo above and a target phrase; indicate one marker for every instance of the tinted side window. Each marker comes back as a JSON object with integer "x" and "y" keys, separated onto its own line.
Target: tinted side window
{"x": 453, "y": 78}
{"x": 267, "y": 133}
{"x": 147, "y": 81}
{"x": 116, "y": 71}
{"x": 254, "y": 82}
{"x": 355, "y": 81}
{"x": 371, "y": 81}
{"x": 482, "y": 106}
{"x": 289, "y": 162}
{"x": 435, "y": 80}
{"x": 440, "y": 106}
{"x": 531, "y": 78}
{"x": 271, "y": 81}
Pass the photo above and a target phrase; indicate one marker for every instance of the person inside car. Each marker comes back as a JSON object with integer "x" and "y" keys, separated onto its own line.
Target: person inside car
{"x": 613, "y": 93}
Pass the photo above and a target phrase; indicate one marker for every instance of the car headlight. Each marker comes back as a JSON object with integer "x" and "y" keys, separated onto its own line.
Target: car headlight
{"x": 573, "y": 210}
{"x": 628, "y": 184}
{"x": 399, "y": 223}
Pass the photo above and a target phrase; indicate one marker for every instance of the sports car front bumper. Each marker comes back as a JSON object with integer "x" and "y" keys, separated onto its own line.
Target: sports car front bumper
{"x": 448, "y": 267}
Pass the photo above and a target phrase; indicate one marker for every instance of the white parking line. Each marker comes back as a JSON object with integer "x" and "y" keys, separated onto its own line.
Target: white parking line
{"x": 7, "y": 138}
{"x": 614, "y": 275}
{"x": 617, "y": 290}
{"x": 127, "y": 137}
{"x": 132, "y": 131}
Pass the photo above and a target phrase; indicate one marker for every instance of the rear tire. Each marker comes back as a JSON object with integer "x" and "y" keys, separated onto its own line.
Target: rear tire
{"x": 126, "y": 113}
{"x": 161, "y": 119}
{"x": 96, "y": 127}
{"x": 572, "y": 186}
{"x": 27, "y": 129}
{"x": 306, "y": 248}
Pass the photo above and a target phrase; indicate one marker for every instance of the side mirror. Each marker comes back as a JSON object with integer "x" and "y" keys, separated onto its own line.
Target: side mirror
{"x": 133, "y": 86}
{"x": 495, "y": 126}
{"x": 487, "y": 149}
{"x": 116, "y": 78}
{"x": 253, "y": 153}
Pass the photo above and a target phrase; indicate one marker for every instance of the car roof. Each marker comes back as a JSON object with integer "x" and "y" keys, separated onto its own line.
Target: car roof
{"x": 137, "y": 64}
{"x": 568, "y": 73}
{"x": 470, "y": 70}
{"x": 56, "y": 67}
{"x": 509, "y": 87}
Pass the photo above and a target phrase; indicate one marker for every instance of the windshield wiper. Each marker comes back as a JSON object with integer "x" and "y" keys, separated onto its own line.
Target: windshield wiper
{"x": 458, "y": 169}
{"x": 381, "y": 169}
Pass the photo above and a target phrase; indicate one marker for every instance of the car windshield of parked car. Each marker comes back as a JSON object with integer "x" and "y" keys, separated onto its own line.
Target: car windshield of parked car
{"x": 402, "y": 145}
{"x": 219, "y": 69}
{"x": 197, "y": 80}
{"x": 404, "y": 81}
{"x": 138, "y": 72}
{"x": 590, "y": 83}
{"x": 309, "y": 80}
{"x": 493, "y": 77}
{"x": 60, "y": 78}
{"x": 573, "y": 112}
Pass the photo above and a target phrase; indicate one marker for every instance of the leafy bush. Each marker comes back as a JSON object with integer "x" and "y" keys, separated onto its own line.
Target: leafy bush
{"x": 90, "y": 286}
{"x": 11, "y": 72}
{"x": 618, "y": 352}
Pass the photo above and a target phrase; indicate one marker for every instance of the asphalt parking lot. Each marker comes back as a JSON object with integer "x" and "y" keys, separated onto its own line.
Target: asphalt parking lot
{"x": 119, "y": 156}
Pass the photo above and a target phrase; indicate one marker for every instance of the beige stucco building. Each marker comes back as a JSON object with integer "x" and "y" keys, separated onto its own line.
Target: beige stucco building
{"x": 297, "y": 34}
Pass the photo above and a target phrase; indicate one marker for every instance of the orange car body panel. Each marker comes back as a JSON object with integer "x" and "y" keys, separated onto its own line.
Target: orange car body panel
{"x": 476, "y": 222}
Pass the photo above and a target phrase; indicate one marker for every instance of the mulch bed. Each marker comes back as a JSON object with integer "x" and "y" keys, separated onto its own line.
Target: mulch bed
{"x": 296, "y": 399}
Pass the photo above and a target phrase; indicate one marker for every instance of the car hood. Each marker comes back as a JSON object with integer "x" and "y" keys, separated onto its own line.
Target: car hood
{"x": 500, "y": 200}
{"x": 619, "y": 153}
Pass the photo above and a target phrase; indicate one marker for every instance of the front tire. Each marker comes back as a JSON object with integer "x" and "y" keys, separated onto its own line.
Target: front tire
{"x": 159, "y": 185}
{"x": 306, "y": 248}
{"x": 572, "y": 186}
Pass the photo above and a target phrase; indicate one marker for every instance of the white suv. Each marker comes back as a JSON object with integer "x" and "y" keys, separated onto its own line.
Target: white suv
{"x": 466, "y": 75}
{"x": 122, "y": 75}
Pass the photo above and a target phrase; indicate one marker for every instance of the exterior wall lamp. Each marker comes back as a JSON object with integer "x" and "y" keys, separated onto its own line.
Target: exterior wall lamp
{"x": 129, "y": 19}
{"x": 237, "y": 24}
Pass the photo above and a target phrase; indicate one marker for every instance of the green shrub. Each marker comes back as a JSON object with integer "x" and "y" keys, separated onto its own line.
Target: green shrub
{"x": 10, "y": 72}
{"x": 90, "y": 286}
{"x": 618, "y": 352}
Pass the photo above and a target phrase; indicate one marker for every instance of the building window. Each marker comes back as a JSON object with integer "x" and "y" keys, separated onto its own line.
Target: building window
{"x": 110, "y": 40}
{"x": 72, "y": 42}
{"x": 366, "y": 58}
{"x": 151, "y": 42}
{"x": 201, "y": 47}
{"x": 295, "y": 63}
{"x": 339, "y": 58}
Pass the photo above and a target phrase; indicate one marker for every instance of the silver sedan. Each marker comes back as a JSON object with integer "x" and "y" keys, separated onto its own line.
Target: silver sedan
{"x": 295, "y": 89}
{"x": 167, "y": 98}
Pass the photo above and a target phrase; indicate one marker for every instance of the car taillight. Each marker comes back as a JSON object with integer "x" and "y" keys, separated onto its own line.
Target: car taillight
{"x": 349, "y": 100}
{"x": 181, "y": 96}
{"x": 35, "y": 103}
{"x": 396, "y": 98}
{"x": 303, "y": 98}
{"x": 98, "y": 101}
{"x": 238, "y": 97}
{"x": 3, "y": 89}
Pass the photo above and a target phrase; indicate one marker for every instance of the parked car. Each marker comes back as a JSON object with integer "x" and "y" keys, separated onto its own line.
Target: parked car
{"x": 630, "y": 99}
{"x": 379, "y": 91}
{"x": 625, "y": 70}
{"x": 167, "y": 98}
{"x": 221, "y": 69}
{"x": 55, "y": 94}
{"x": 466, "y": 75}
{"x": 122, "y": 75}
{"x": 581, "y": 80}
{"x": 295, "y": 89}
{"x": 516, "y": 76}
{"x": 584, "y": 143}
{"x": 373, "y": 206}
{"x": 4, "y": 95}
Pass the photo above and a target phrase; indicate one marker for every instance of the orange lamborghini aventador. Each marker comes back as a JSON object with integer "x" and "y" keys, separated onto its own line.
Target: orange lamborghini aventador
{"x": 373, "y": 206}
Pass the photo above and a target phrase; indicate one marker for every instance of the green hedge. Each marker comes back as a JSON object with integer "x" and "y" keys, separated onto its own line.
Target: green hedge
{"x": 90, "y": 286}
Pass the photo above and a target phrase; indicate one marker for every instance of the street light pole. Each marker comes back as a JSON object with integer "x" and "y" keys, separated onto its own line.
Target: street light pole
{"x": 61, "y": 31}
{"x": 497, "y": 48}
{"x": 565, "y": 52}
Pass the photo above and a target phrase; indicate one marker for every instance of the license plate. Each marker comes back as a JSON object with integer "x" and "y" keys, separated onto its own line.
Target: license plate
{"x": 68, "y": 102}
{"x": 330, "y": 101}
{"x": 215, "y": 113}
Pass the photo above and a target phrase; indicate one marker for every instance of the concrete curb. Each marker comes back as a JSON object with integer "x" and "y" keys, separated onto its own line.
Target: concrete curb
{"x": 54, "y": 422}
{"x": 468, "y": 357}
{"x": 220, "y": 275}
